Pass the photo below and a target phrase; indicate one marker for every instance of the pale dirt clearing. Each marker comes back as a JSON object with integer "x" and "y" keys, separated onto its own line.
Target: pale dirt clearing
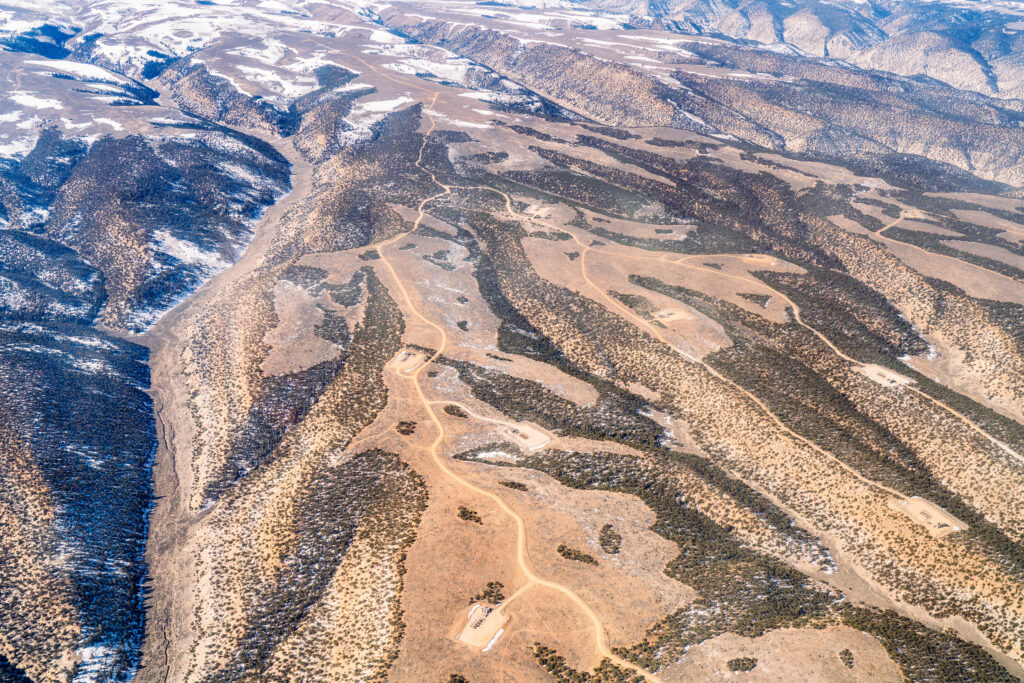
{"x": 977, "y": 281}
{"x": 527, "y": 436}
{"x": 407, "y": 361}
{"x": 938, "y": 522}
{"x": 884, "y": 376}
{"x": 989, "y": 251}
{"x": 483, "y": 626}
{"x": 786, "y": 655}
{"x": 294, "y": 345}
{"x": 669, "y": 315}
{"x": 697, "y": 333}
{"x": 1010, "y": 230}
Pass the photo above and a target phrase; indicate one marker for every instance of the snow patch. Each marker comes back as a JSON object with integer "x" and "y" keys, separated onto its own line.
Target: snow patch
{"x": 109, "y": 122}
{"x": 87, "y": 71}
{"x": 96, "y": 663}
{"x": 362, "y": 107}
{"x": 289, "y": 86}
{"x": 28, "y": 100}
{"x": 11, "y": 147}
{"x": 187, "y": 252}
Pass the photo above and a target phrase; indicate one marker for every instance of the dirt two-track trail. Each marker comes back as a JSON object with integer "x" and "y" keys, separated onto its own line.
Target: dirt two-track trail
{"x": 167, "y": 627}
{"x": 522, "y": 557}
{"x": 931, "y": 254}
{"x": 795, "y": 310}
{"x": 521, "y": 552}
{"x": 168, "y": 623}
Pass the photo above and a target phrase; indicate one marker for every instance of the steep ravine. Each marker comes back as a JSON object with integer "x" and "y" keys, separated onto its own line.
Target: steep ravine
{"x": 169, "y": 611}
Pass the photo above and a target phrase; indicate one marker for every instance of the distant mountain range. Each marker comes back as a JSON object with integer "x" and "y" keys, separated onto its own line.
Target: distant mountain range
{"x": 975, "y": 45}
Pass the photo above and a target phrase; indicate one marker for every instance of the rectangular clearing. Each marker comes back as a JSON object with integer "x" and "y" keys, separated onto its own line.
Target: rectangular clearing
{"x": 529, "y": 437}
{"x": 884, "y": 376}
{"x": 938, "y": 522}
{"x": 671, "y": 315}
{"x": 407, "y": 361}
{"x": 483, "y": 626}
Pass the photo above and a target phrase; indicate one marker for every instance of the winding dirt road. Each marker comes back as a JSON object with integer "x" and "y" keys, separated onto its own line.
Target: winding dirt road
{"x": 522, "y": 558}
{"x": 684, "y": 262}
{"x": 653, "y": 331}
{"x": 880, "y": 235}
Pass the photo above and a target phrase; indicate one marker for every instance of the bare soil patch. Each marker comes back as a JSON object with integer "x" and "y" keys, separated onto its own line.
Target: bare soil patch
{"x": 938, "y": 522}
{"x": 483, "y": 626}
{"x": 884, "y": 376}
{"x": 790, "y": 655}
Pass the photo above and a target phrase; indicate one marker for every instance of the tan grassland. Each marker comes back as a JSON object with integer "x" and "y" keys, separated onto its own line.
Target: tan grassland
{"x": 212, "y": 561}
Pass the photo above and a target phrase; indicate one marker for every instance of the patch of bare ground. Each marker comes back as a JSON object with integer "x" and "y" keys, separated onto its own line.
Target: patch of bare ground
{"x": 669, "y": 231}
{"x": 920, "y": 226}
{"x": 695, "y": 332}
{"x": 791, "y": 654}
{"x": 849, "y": 225}
{"x": 1009, "y": 230}
{"x": 753, "y": 443}
{"x": 294, "y": 344}
{"x": 448, "y": 564}
{"x": 968, "y": 277}
{"x": 975, "y": 281}
{"x": 452, "y": 295}
{"x": 799, "y": 176}
{"x": 988, "y": 251}
{"x": 990, "y": 201}
{"x": 452, "y": 560}
{"x": 556, "y": 514}
{"x": 985, "y": 362}
{"x": 609, "y": 161}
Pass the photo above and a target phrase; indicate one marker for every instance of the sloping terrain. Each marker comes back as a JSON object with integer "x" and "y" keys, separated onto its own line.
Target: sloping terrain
{"x": 972, "y": 46}
{"x": 467, "y": 341}
{"x": 100, "y": 235}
